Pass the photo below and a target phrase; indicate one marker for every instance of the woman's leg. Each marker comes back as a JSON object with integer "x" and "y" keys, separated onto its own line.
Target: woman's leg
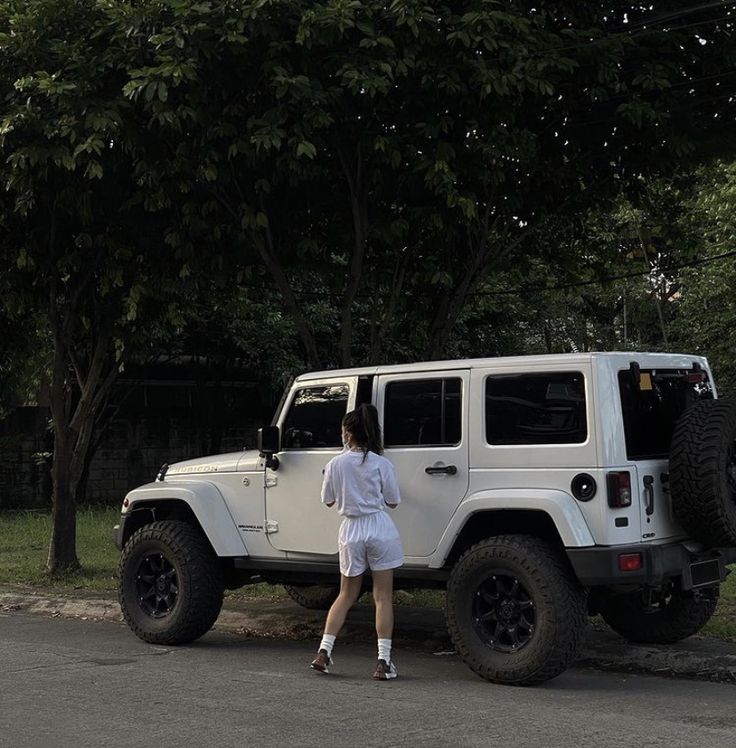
{"x": 383, "y": 592}
{"x": 349, "y": 592}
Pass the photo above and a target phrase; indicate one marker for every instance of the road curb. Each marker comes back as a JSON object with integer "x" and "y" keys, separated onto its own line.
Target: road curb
{"x": 700, "y": 658}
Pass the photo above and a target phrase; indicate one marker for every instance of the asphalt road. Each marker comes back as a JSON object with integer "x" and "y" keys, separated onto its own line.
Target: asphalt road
{"x": 85, "y": 683}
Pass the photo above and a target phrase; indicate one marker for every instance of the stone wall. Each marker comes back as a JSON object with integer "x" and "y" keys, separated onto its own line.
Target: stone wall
{"x": 134, "y": 450}
{"x": 151, "y": 430}
{"x": 24, "y": 473}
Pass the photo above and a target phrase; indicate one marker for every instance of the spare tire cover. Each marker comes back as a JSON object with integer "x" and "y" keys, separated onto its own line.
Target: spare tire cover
{"x": 703, "y": 472}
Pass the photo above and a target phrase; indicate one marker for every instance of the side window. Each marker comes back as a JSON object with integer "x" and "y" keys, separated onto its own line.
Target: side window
{"x": 536, "y": 409}
{"x": 314, "y": 417}
{"x": 422, "y": 412}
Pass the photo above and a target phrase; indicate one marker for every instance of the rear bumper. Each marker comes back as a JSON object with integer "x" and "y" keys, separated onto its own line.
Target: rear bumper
{"x": 600, "y": 566}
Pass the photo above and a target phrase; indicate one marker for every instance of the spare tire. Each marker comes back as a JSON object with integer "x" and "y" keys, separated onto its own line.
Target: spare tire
{"x": 313, "y": 596}
{"x": 703, "y": 472}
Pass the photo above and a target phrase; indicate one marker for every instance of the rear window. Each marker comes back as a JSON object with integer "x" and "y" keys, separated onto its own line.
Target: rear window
{"x": 544, "y": 408}
{"x": 652, "y": 400}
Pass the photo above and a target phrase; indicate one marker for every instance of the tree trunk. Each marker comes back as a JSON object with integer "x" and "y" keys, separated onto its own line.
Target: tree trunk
{"x": 657, "y": 300}
{"x": 74, "y": 420}
{"x": 267, "y": 250}
{"x": 355, "y": 177}
{"x": 63, "y": 546}
{"x": 397, "y": 284}
{"x": 451, "y": 307}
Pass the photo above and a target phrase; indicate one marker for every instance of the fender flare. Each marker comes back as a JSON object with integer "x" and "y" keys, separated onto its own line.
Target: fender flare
{"x": 561, "y": 507}
{"x": 207, "y": 504}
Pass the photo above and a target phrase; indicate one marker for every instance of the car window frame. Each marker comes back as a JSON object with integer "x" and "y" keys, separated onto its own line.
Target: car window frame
{"x": 538, "y": 374}
{"x": 419, "y": 378}
{"x": 292, "y": 397}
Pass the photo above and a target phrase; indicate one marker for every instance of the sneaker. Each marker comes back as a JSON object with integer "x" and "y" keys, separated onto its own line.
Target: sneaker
{"x": 321, "y": 662}
{"x": 385, "y": 671}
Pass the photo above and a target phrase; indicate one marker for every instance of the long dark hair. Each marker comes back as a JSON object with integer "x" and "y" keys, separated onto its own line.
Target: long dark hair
{"x": 362, "y": 424}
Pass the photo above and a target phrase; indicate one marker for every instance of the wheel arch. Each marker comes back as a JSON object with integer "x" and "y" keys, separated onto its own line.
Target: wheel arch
{"x": 198, "y": 503}
{"x": 503, "y": 522}
{"x": 551, "y": 515}
{"x": 144, "y": 512}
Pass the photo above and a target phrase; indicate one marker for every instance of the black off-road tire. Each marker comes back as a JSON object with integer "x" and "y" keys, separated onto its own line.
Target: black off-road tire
{"x": 703, "y": 472}
{"x": 539, "y": 583}
{"x": 170, "y": 583}
{"x": 312, "y": 596}
{"x": 676, "y": 616}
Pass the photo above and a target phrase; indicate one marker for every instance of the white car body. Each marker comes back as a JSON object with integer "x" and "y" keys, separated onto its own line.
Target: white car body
{"x": 249, "y": 510}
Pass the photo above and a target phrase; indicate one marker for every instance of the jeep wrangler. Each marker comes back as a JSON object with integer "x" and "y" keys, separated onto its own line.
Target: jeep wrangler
{"x": 536, "y": 491}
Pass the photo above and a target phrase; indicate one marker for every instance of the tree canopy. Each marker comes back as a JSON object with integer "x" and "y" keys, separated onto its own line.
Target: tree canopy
{"x": 405, "y": 148}
{"x": 352, "y": 175}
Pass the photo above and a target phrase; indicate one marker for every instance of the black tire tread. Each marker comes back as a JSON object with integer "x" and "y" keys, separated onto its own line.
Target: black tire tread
{"x": 701, "y": 501}
{"x": 202, "y": 588}
{"x": 684, "y": 616}
{"x": 313, "y": 597}
{"x": 559, "y": 586}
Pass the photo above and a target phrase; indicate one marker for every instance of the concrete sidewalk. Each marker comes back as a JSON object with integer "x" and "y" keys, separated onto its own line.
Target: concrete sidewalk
{"x": 701, "y": 658}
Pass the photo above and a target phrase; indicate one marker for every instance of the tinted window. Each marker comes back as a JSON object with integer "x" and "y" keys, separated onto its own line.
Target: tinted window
{"x": 315, "y": 416}
{"x": 652, "y": 403}
{"x": 422, "y": 412}
{"x": 536, "y": 409}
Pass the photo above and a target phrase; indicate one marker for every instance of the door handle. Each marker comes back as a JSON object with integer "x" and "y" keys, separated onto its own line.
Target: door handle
{"x": 444, "y": 470}
{"x": 649, "y": 494}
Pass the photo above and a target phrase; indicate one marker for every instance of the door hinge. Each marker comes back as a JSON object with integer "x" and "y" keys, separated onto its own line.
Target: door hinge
{"x": 272, "y": 526}
{"x": 271, "y": 481}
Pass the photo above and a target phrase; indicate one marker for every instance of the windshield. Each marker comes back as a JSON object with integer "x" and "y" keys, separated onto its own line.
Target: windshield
{"x": 652, "y": 400}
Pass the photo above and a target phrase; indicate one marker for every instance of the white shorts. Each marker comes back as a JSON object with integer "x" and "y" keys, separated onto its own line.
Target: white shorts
{"x": 370, "y": 541}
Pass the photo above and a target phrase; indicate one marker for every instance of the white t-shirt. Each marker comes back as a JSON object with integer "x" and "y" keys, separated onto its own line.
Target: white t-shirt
{"x": 360, "y": 487}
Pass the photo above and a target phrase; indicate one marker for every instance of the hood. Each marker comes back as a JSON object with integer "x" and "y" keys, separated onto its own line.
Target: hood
{"x": 227, "y": 463}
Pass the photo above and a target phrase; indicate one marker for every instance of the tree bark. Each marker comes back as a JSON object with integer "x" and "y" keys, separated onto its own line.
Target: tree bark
{"x": 76, "y": 402}
{"x": 355, "y": 177}
{"x": 267, "y": 250}
{"x": 657, "y": 300}
{"x": 387, "y": 318}
{"x": 62, "y": 549}
{"x": 481, "y": 254}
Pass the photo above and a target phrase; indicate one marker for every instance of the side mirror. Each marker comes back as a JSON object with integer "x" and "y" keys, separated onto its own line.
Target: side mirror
{"x": 269, "y": 443}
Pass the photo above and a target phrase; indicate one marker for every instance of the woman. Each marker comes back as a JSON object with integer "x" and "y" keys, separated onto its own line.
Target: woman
{"x": 362, "y": 484}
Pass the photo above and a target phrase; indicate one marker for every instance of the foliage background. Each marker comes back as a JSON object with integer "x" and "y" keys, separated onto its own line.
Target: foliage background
{"x": 291, "y": 184}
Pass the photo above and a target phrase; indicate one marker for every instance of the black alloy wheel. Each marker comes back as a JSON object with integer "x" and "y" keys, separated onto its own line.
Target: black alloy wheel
{"x": 504, "y": 613}
{"x": 157, "y": 585}
{"x": 170, "y": 583}
{"x": 515, "y": 611}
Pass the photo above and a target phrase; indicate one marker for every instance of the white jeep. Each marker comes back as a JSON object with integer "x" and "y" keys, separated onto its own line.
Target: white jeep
{"x": 536, "y": 490}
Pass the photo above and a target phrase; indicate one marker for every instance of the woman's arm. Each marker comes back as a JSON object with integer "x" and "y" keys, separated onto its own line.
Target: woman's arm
{"x": 328, "y": 492}
{"x": 390, "y": 485}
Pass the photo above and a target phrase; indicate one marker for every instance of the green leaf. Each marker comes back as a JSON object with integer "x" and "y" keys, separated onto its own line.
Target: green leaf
{"x": 305, "y": 148}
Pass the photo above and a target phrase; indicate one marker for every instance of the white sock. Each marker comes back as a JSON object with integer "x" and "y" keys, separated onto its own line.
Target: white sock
{"x": 384, "y": 650}
{"x": 327, "y": 643}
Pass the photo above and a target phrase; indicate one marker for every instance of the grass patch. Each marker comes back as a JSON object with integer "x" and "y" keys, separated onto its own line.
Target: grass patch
{"x": 24, "y": 543}
{"x": 24, "y": 548}
{"x": 723, "y": 623}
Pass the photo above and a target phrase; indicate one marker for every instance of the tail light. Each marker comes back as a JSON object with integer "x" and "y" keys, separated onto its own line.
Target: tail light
{"x": 619, "y": 488}
{"x": 630, "y": 562}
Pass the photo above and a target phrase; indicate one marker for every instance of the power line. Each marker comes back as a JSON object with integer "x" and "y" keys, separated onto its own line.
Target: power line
{"x": 634, "y": 32}
{"x": 519, "y": 289}
{"x": 607, "y": 279}
{"x": 672, "y": 15}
